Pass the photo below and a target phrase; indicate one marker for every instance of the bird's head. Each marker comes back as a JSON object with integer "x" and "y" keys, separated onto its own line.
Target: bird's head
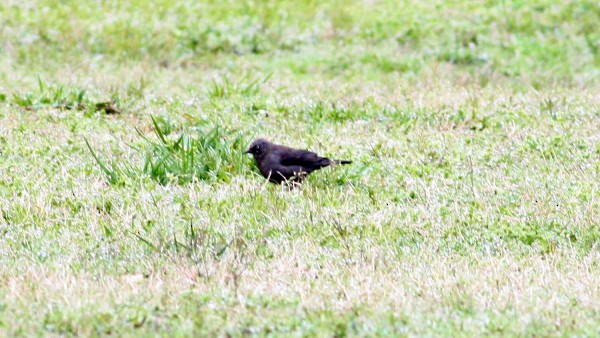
{"x": 258, "y": 148}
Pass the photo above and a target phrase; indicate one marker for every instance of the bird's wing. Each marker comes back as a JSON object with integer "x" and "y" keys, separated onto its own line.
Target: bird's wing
{"x": 302, "y": 158}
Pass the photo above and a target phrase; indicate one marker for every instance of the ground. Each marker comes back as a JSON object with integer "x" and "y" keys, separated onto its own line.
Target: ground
{"x": 128, "y": 207}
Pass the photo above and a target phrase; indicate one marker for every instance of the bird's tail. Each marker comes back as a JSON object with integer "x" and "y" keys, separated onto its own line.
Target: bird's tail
{"x": 341, "y": 162}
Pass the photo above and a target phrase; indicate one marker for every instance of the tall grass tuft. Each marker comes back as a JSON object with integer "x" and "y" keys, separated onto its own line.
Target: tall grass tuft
{"x": 247, "y": 86}
{"x": 210, "y": 155}
{"x": 52, "y": 96}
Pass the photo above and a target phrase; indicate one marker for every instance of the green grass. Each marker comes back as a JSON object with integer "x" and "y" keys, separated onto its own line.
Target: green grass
{"x": 194, "y": 155}
{"x": 128, "y": 207}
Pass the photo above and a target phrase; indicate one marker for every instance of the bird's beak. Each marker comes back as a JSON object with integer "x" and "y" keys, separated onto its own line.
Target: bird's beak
{"x": 247, "y": 151}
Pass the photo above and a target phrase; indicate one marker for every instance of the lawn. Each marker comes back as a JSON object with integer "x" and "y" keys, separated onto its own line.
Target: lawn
{"x": 472, "y": 207}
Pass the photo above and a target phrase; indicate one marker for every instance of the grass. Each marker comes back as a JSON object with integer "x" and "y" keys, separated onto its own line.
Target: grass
{"x": 213, "y": 155}
{"x": 471, "y": 207}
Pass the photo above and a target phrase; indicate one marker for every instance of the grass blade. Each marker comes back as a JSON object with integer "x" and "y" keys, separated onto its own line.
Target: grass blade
{"x": 113, "y": 176}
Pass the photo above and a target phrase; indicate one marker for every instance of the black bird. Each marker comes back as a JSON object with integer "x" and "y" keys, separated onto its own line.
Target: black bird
{"x": 279, "y": 163}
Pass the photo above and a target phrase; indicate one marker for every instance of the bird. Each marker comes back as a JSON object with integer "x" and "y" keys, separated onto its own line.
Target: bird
{"x": 278, "y": 163}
